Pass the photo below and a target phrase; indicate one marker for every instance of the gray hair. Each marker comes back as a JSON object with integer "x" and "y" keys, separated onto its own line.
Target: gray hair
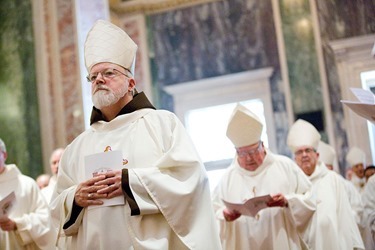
{"x": 2, "y": 146}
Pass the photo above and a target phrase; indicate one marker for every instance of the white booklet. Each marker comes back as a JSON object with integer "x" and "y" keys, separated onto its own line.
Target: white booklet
{"x": 100, "y": 163}
{"x": 250, "y": 207}
{"x": 365, "y": 107}
{"x": 6, "y": 205}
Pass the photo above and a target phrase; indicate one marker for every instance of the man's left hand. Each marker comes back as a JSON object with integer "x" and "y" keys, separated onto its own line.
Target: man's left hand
{"x": 278, "y": 200}
{"x": 113, "y": 182}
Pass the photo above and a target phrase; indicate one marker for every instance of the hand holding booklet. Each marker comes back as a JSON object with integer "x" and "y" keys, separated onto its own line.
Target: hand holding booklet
{"x": 250, "y": 207}
{"x": 102, "y": 163}
{"x": 6, "y": 205}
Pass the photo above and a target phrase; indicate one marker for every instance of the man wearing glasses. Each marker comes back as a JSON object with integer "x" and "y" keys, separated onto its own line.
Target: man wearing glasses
{"x": 162, "y": 185}
{"x": 356, "y": 160}
{"x": 333, "y": 225}
{"x": 254, "y": 172}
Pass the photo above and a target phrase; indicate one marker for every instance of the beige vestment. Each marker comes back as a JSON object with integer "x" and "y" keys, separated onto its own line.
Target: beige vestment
{"x": 333, "y": 225}
{"x": 368, "y": 219}
{"x": 166, "y": 177}
{"x": 30, "y": 212}
{"x": 274, "y": 227}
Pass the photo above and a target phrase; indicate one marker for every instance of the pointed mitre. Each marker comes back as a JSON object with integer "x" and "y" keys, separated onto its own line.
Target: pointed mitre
{"x": 326, "y": 153}
{"x": 244, "y": 127}
{"x": 302, "y": 134}
{"x": 355, "y": 156}
{"x": 106, "y": 42}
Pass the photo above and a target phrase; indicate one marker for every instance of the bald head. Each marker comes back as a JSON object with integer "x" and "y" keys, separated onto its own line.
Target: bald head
{"x": 55, "y": 159}
{"x": 42, "y": 180}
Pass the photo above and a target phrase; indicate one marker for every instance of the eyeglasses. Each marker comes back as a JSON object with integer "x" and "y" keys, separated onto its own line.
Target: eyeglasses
{"x": 251, "y": 152}
{"x": 106, "y": 74}
{"x": 306, "y": 150}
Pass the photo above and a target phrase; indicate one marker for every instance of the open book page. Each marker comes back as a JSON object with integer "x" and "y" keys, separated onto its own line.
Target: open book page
{"x": 363, "y": 95}
{"x": 362, "y": 109}
{"x": 250, "y": 207}
{"x": 6, "y": 205}
{"x": 100, "y": 163}
{"x": 366, "y": 105}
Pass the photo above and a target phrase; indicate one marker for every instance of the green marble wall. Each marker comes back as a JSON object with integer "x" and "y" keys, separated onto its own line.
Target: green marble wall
{"x": 19, "y": 115}
{"x": 301, "y": 56}
{"x": 341, "y": 19}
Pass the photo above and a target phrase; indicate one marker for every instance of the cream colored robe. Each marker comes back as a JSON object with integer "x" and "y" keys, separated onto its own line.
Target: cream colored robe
{"x": 355, "y": 199}
{"x": 48, "y": 191}
{"x": 30, "y": 212}
{"x": 273, "y": 228}
{"x": 166, "y": 178}
{"x": 359, "y": 183}
{"x": 368, "y": 219}
{"x": 333, "y": 225}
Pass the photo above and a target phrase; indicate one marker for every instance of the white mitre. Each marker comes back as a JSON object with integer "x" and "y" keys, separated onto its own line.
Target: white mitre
{"x": 326, "y": 152}
{"x": 302, "y": 134}
{"x": 244, "y": 127}
{"x": 355, "y": 156}
{"x": 106, "y": 42}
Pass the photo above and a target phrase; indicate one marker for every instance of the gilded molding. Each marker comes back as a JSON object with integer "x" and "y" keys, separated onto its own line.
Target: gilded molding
{"x": 151, "y": 6}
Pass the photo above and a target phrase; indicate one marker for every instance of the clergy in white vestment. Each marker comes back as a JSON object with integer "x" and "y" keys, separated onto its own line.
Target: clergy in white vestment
{"x": 368, "y": 198}
{"x": 161, "y": 190}
{"x": 25, "y": 223}
{"x": 356, "y": 160}
{"x": 327, "y": 155}
{"x": 333, "y": 225}
{"x": 256, "y": 171}
{"x": 54, "y": 166}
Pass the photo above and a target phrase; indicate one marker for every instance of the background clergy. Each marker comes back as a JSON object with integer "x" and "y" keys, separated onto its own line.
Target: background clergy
{"x": 369, "y": 212}
{"x": 54, "y": 161}
{"x": 333, "y": 225}
{"x": 28, "y": 224}
{"x": 256, "y": 171}
{"x": 356, "y": 159}
{"x": 327, "y": 155}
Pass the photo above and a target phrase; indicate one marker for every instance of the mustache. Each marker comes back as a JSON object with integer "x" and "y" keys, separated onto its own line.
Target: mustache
{"x": 100, "y": 87}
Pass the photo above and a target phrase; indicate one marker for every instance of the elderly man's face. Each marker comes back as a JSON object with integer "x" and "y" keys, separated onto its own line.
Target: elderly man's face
{"x": 110, "y": 86}
{"x": 55, "y": 160}
{"x": 306, "y": 158}
{"x": 251, "y": 157}
{"x": 359, "y": 170}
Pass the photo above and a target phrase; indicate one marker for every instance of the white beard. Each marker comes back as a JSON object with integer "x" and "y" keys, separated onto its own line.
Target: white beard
{"x": 105, "y": 98}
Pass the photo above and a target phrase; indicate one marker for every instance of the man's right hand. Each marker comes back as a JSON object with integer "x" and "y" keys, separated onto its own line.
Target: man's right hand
{"x": 86, "y": 192}
{"x": 7, "y": 224}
